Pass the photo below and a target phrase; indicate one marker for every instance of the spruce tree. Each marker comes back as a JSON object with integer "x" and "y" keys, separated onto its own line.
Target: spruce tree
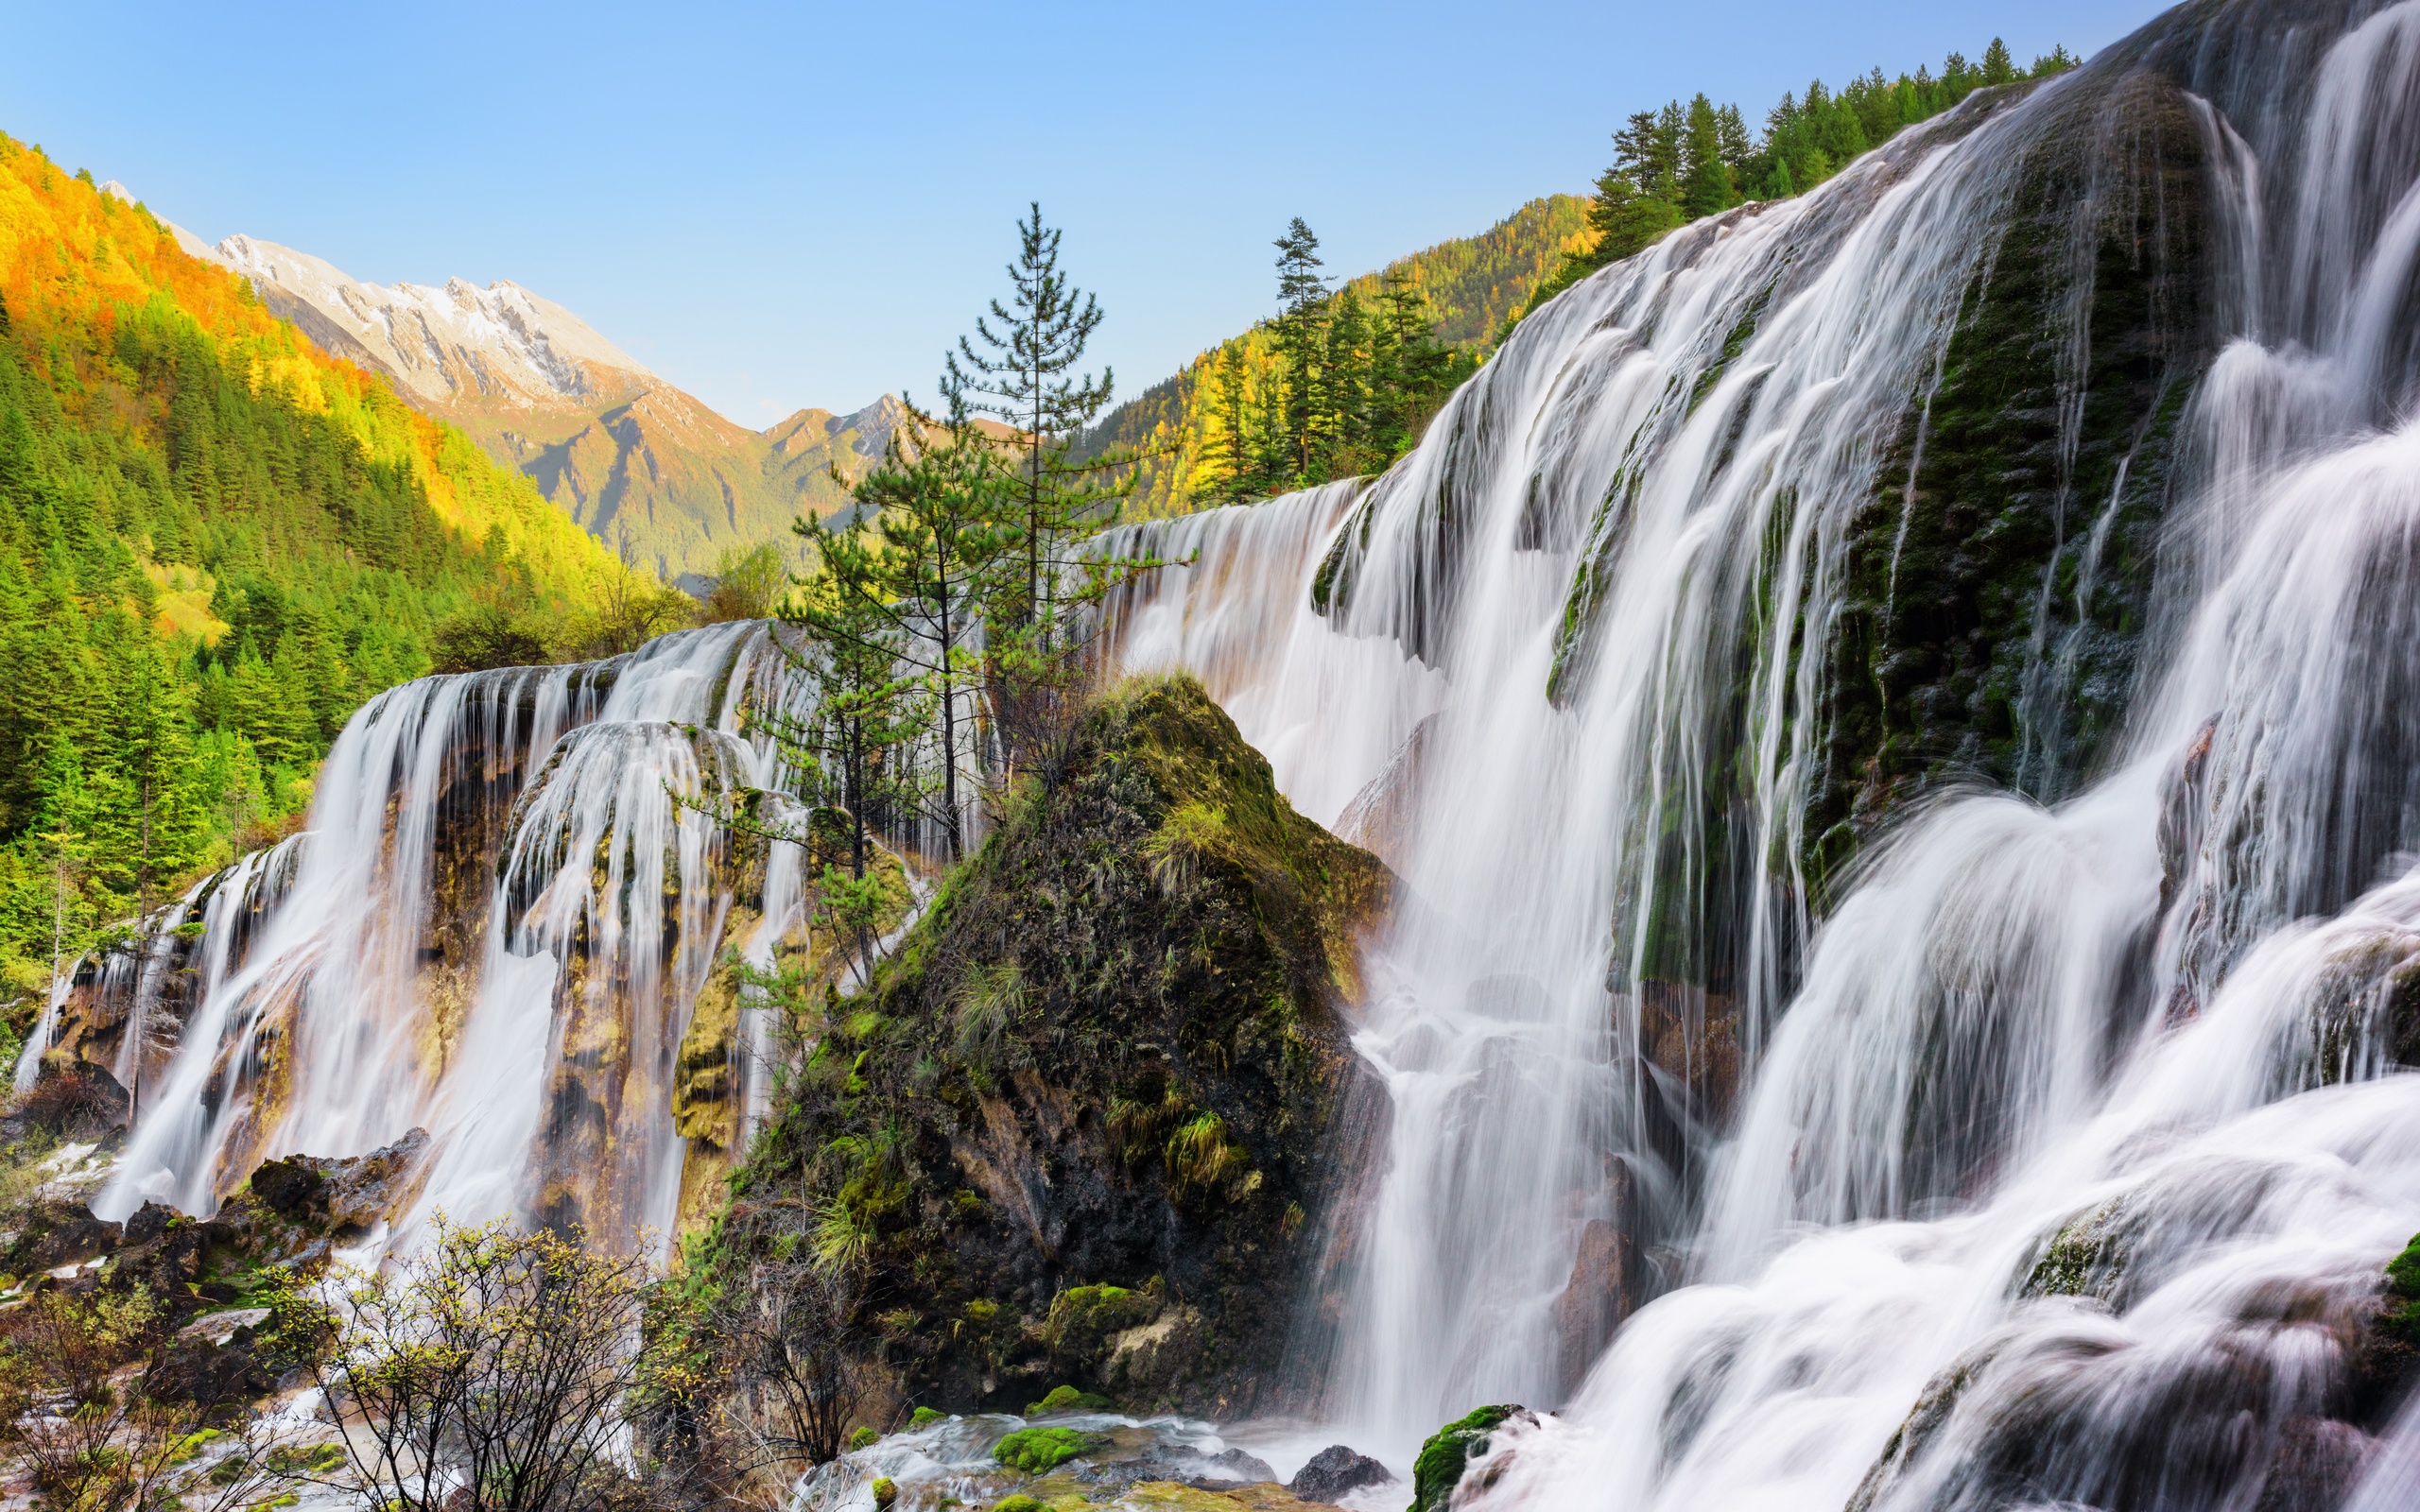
{"x": 1705, "y": 188}
{"x": 1299, "y": 340}
{"x": 934, "y": 504}
{"x": 1026, "y": 376}
{"x": 1999, "y": 68}
{"x": 1027, "y": 373}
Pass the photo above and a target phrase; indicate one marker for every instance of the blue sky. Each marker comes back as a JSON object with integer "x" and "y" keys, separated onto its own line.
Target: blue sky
{"x": 781, "y": 206}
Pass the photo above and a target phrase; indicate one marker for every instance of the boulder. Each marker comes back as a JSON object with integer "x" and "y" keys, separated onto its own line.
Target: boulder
{"x": 1335, "y": 1472}
{"x": 1089, "y": 1118}
{"x": 74, "y": 1099}
{"x": 1449, "y": 1450}
{"x": 55, "y": 1234}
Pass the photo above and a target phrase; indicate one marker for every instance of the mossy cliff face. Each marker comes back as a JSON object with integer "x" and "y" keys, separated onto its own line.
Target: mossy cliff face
{"x": 1081, "y": 1131}
{"x": 1998, "y": 584}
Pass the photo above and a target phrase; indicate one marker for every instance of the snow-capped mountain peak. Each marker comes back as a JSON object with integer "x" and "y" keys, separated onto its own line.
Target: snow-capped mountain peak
{"x": 458, "y": 346}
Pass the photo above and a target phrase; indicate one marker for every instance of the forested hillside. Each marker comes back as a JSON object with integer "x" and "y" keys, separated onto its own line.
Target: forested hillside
{"x": 1684, "y": 161}
{"x": 1470, "y": 286}
{"x": 215, "y": 543}
{"x": 1261, "y": 413}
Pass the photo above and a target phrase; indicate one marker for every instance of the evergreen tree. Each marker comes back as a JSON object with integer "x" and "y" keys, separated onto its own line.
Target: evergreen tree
{"x": 1999, "y": 68}
{"x": 1300, "y": 338}
{"x": 851, "y": 749}
{"x": 1028, "y": 376}
{"x": 1705, "y": 188}
{"x": 1235, "y": 460}
{"x": 934, "y": 503}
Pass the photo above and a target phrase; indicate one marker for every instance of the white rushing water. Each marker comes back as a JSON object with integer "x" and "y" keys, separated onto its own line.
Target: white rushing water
{"x": 533, "y": 813}
{"x": 1570, "y": 673}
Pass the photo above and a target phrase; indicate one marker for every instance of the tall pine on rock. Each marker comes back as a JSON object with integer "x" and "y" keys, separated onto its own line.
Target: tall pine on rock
{"x": 1027, "y": 373}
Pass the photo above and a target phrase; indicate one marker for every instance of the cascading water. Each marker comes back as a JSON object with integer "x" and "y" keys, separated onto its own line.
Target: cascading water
{"x": 494, "y": 927}
{"x": 2065, "y": 1160}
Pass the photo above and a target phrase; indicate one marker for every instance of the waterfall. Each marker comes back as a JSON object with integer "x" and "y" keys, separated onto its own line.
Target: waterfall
{"x": 1894, "y": 711}
{"x": 494, "y": 926}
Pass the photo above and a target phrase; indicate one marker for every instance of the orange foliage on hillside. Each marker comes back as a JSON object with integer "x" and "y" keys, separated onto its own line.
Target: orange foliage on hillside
{"x": 73, "y": 259}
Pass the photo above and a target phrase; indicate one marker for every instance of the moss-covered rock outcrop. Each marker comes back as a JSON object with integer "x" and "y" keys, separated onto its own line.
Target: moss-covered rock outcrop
{"x": 1997, "y": 585}
{"x": 1448, "y": 1451}
{"x": 1081, "y": 1129}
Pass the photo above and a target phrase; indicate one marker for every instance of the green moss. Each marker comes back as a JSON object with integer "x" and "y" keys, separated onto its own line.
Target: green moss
{"x": 863, "y": 1438}
{"x": 2085, "y": 1257}
{"x": 1136, "y": 972}
{"x": 924, "y": 1417}
{"x": 1019, "y": 1503}
{"x": 1067, "y": 1398}
{"x": 886, "y": 1490}
{"x": 2402, "y": 1316}
{"x": 1439, "y": 1469}
{"x": 1995, "y": 586}
{"x": 1040, "y": 1450}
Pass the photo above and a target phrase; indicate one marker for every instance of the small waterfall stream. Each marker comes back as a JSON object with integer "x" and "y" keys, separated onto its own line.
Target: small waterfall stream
{"x": 494, "y": 927}
{"x": 2063, "y": 1116}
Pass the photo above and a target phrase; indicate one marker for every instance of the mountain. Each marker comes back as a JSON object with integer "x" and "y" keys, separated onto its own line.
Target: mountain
{"x": 1473, "y": 285}
{"x": 217, "y": 543}
{"x": 636, "y": 461}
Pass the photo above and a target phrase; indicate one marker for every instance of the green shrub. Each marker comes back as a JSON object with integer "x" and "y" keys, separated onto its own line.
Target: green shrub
{"x": 1040, "y": 1450}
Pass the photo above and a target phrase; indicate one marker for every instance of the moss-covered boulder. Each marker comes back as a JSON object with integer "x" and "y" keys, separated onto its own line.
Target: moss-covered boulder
{"x": 1448, "y": 1452}
{"x": 1081, "y": 1131}
{"x": 1040, "y": 1450}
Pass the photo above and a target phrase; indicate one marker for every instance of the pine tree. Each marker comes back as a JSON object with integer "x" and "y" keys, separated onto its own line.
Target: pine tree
{"x": 1233, "y": 457}
{"x": 851, "y": 747}
{"x": 1418, "y": 374}
{"x": 1025, "y": 376}
{"x": 1738, "y": 151}
{"x": 1705, "y": 188}
{"x": 1999, "y": 68}
{"x": 1300, "y": 339}
{"x": 1028, "y": 376}
{"x": 934, "y": 506}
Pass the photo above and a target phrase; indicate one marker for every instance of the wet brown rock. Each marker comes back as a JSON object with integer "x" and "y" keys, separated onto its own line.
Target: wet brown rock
{"x": 1594, "y": 1301}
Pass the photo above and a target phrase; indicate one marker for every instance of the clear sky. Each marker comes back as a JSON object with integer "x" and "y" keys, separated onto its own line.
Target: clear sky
{"x": 782, "y": 206}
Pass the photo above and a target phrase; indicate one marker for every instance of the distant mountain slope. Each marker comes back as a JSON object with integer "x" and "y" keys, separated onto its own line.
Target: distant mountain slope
{"x": 627, "y": 454}
{"x": 216, "y": 542}
{"x": 1473, "y": 285}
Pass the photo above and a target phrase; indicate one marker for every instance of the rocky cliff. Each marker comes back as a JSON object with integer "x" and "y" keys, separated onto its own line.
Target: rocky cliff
{"x": 1083, "y": 1130}
{"x": 626, "y": 453}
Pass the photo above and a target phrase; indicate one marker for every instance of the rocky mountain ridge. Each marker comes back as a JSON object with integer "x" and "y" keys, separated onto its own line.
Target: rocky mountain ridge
{"x": 639, "y": 463}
